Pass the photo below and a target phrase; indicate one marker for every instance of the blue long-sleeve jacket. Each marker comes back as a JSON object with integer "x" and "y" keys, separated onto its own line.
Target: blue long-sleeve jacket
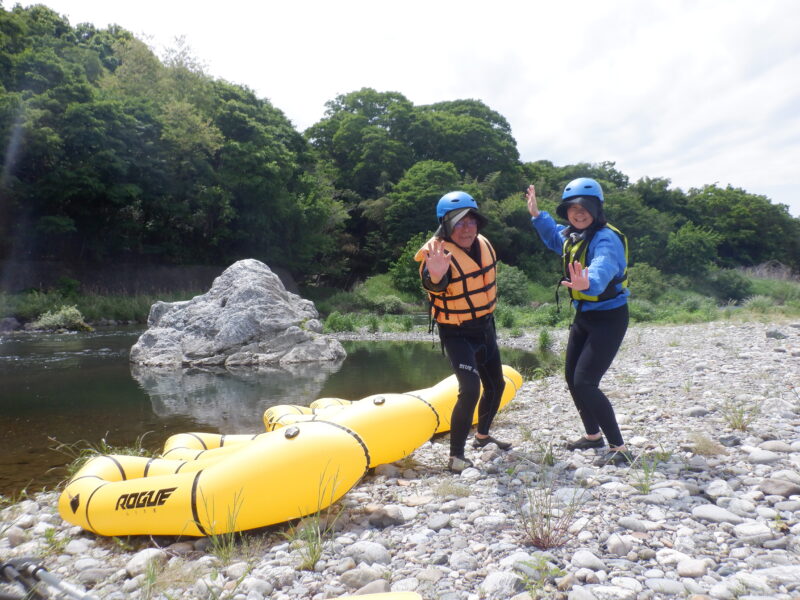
{"x": 606, "y": 257}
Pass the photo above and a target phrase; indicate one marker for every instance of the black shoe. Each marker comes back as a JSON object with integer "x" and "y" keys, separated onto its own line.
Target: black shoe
{"x": 482, "y": 442}
{"x": 615, "y": 457}
{"x": 456, "y": 464}
{"x": 585, "y": 443}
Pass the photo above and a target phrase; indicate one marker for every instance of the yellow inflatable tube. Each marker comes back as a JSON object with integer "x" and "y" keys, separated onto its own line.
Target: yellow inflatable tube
{"x": 391, "y": 425}
{"x": 280, "y": 476}
{"x": 210, "y": 483}
{"x": 441, "y": 398}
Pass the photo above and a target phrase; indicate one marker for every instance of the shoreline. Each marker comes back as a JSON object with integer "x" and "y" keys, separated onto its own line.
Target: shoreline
{"x": 717, "y": 514}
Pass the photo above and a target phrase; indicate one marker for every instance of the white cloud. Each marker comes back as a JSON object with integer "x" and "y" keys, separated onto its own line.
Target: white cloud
{"x": 696, "y": 91}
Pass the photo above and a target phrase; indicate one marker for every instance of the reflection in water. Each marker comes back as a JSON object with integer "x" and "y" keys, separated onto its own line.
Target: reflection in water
{"x": 80, "y": 388}
{"x": 232, "y": 401}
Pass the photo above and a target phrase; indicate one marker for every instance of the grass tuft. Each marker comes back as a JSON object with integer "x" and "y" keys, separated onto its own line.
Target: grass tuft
{"x": 311, "y": 533}
{"x": 81, "y": 451}
{"x": 705, "y": 446}
{"x": 738, "y": 414}
{"x": 546, "y": 520}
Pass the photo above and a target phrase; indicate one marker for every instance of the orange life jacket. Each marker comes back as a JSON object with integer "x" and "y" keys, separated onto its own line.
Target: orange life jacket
{"x": 471, "y": 292}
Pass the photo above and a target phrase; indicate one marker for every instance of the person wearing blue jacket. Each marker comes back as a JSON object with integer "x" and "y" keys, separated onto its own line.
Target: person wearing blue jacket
{"x": 594, "y": 260}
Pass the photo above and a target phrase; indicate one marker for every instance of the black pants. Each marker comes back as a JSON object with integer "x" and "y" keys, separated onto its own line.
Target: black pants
{"x": 594, "y": 339}
{"x": 475, "y": 359}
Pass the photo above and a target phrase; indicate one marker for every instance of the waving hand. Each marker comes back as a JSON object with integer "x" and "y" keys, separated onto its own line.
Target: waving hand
{"x": 437, "y": 260}
{"x": 579, "y": 277}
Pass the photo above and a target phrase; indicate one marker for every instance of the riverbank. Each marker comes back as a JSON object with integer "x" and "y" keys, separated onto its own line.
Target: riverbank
{"x": 709, "y": 511}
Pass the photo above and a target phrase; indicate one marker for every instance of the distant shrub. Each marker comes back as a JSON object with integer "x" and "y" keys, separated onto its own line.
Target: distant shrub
{"x": 727, "y": 284}
{"x": 641, "y": 311}
{"x": 771, "y": 270}
{"x": 405, "y": 270}
{"x": 389, "y": 305}
{"x": 759, "y": 304}
{"x": 782, "y": 291}
{"x": 646, "y": 282}
{"x": 64, "y": 317}
{"x": 373, "y": 324}
{"x": 512, "y": 285}
{"x": 545, "y": 341}
{"x": 337, "y": 322}
{"x": 505, "y": 317}
{"x": 549, "y": 315}
{"x": 343, "y": 302}
{"x": 692, "y": 249}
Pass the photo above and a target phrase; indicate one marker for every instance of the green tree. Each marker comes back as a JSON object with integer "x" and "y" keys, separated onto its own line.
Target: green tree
{"x": 405, "y": 270}
{"x": 137, "y": 74}
{"x": 411, "y": 205}
{"x": 512, "y": 285}
{"x": 691, "y": 250}
{"x": 752, "y": 229}
{"x": 655, "y": 193}
{"x": 364, "y": 136}
{"x": 474, "y": 138}
{"x": 646, "y": 228}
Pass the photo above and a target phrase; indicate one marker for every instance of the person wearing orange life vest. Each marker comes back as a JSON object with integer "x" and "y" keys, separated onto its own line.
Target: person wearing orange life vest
{"x": 458, "y": 270}
{"x": 595, "y": 262}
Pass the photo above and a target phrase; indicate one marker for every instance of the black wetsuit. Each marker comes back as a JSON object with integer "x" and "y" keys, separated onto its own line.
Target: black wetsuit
{"x": 475, "y": 358}
{"x": 594, "y": 339}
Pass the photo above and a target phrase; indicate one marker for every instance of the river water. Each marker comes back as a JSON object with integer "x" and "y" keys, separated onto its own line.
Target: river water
{"x": 60, "y": 393}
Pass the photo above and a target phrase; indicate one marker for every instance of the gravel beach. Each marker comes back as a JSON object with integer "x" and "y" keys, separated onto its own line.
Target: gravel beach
{"x": 711, "y": 509}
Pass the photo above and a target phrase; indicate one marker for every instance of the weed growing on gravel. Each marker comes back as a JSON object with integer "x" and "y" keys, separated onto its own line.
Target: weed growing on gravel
{"x": 545, "y": 519}
{"x": 738, "y": 414}
{"x": 526, "y": 433}
{"x": 645, "y": 466}
{"x": 643, "y": 470}
{"x": 408, "y": 462}
{"x": 625, "y": 378}
{"x": 545, "y": 341}
{"x": 81, "y": 451}
{"x": 545, "y": 450}
{"x": 150, "y": 578}
{"x": 174, "y": 575}
{"x": 450, "y": 488}
{"x": 544, "y": 573}
{"x": 795, "y": 392}
{"x": 310, "y": 534}
{"x": 222, "y": 537}
{"x": 54, "y": 545}
{"x": 705, "y": 446}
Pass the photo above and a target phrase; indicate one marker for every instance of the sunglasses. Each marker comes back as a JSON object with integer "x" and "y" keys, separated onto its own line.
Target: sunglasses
{"x": 466, "y": 222}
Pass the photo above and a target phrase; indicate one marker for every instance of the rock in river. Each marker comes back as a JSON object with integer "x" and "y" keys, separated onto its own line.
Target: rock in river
{"x": 246, "y": 318}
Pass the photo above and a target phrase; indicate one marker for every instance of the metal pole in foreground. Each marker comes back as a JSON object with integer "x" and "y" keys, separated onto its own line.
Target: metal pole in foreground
{"x": 23, "y": 570}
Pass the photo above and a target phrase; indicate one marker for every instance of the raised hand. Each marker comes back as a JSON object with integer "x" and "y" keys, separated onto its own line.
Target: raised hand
{"x": 579, "y": 277}
{"x": 437, "y": 260}
{"x": 533, "y": 207}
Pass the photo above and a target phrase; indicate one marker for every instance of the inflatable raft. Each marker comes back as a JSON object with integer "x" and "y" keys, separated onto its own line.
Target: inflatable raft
{"x": 309, "y": 457}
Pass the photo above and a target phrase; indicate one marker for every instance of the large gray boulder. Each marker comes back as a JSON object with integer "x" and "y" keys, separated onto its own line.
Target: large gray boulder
{"x": 247, "y": 318}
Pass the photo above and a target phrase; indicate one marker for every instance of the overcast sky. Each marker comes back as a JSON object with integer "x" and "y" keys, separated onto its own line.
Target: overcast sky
{"x": 696, "y": 91}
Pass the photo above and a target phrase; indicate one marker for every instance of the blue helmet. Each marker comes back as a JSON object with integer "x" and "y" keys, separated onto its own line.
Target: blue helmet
{"x": 584, "y": 192}
{"x": 583, "y": 186}
{"x": 453, "y": 207}
{"x": 452, "y": 201}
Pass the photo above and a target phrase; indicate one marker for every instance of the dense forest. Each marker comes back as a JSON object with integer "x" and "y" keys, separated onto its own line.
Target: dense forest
{"x": 109, "y": 153}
